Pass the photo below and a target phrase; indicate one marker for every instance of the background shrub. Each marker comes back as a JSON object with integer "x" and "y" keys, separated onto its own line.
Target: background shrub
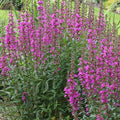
{"x": 6, "y": 4}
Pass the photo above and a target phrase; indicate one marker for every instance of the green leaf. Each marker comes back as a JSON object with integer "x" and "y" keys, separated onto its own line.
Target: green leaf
{"x": 15, "y": 12}
{"x": 37, "y": 88}
{"x": 46, "y": 87}
{"x": 8, "y": 93}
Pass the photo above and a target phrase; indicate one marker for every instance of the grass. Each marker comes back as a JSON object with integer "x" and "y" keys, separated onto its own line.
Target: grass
{"x": 3, "y": 19}
{"x": 4, "y": 16}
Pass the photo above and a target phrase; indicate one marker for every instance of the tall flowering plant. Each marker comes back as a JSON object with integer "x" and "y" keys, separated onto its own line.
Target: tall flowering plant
{"x": 36, "y": 57}
{"x": 98, "y": 72}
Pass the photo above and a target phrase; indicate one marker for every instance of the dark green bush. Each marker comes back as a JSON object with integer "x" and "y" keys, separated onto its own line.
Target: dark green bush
{"x": 17, "y": 4}
{"x": 6, "y": 4}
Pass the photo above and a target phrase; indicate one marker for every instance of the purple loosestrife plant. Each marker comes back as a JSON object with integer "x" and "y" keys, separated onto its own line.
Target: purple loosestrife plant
{"x": 36, "y": 57}
{"x": 72, "y": 95}
{"x": 10, "y": 44}
{"x": 99, "y": 70}
{"x": 24, "y": 95}
{"x": 99, "y": 75}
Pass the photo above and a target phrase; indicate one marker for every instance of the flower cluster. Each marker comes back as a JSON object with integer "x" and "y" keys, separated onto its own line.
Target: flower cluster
{"x": 99, "y": 75}
{"x": 24, "y": 95}
{"x": 72, "y": 95}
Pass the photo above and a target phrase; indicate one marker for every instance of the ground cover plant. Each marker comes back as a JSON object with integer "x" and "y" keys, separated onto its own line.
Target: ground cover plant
{"x": 61, "y": 64}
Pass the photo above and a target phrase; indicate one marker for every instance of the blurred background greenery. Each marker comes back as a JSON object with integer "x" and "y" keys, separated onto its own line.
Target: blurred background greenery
{"x": 6, "y": 4}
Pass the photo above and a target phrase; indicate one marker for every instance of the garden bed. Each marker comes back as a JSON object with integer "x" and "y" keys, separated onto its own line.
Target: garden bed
{"x": 61, "y": 62}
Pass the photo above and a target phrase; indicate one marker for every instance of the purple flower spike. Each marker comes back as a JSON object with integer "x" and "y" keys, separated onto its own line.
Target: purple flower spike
{"x": 24, "y": 93}
{"x": 40, "y": 2}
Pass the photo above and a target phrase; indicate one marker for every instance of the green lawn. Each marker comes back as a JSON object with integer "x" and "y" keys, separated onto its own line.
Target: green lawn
{"x": 3, "y": 19}
{"x": 4, "y": 16}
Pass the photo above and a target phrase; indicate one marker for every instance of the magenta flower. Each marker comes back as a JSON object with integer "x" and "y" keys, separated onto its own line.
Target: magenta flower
{"x": 59, "y": 69}
{"x": 40, "y": 2}
{"x": 72, "y": 95}
{"x": 23, "y": 98}
{"x": 25, "y": 93}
